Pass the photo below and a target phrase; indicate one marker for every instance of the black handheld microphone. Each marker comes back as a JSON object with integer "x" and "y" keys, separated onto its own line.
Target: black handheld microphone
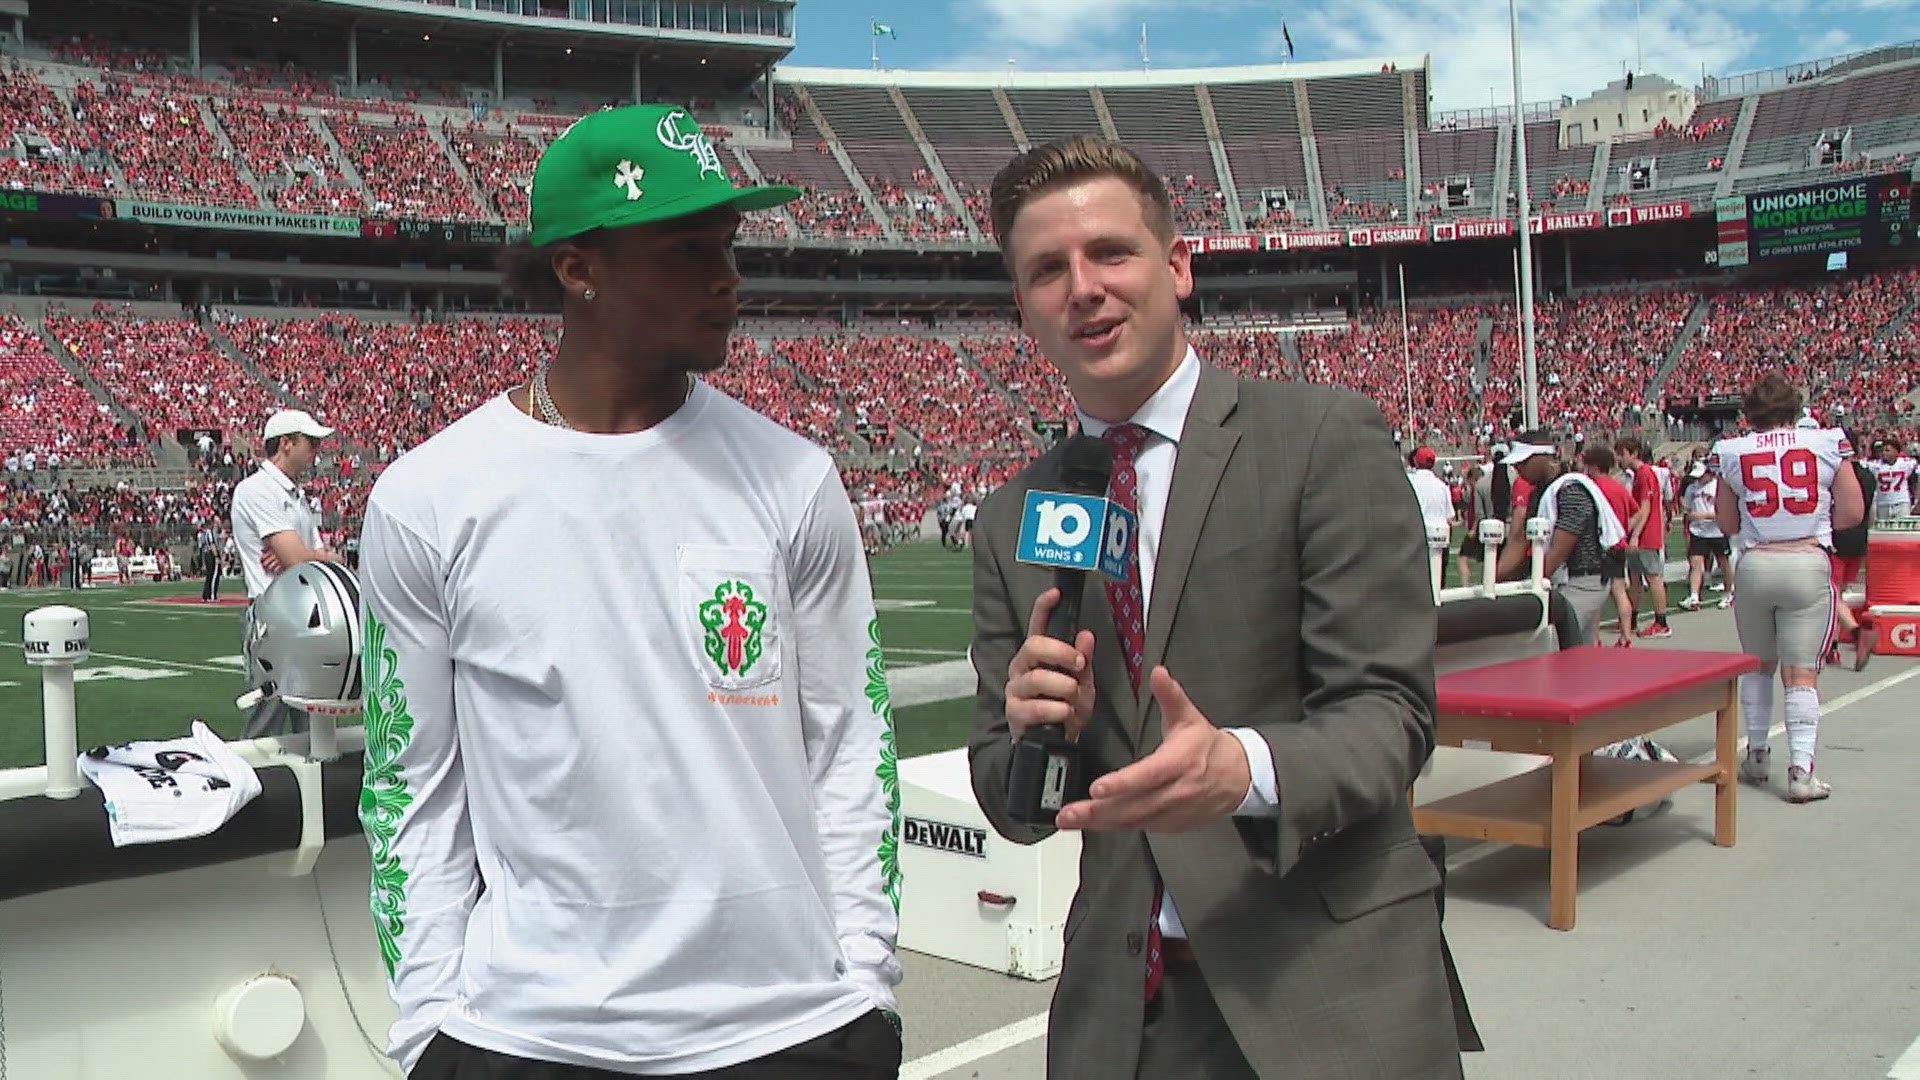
{"x": 1046, "y": 765}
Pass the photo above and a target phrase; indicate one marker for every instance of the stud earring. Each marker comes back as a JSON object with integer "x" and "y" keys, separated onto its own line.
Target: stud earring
{"x": 588, "y": 295}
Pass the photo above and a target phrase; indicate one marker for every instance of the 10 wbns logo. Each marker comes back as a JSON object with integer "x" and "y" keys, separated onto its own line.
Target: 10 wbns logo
{"x": 1076, "y": 532}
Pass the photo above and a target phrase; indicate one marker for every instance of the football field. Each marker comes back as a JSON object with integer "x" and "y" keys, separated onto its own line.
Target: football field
{"x": 158, "y": 664}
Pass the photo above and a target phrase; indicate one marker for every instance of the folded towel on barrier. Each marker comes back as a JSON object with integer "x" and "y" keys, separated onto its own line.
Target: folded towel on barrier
{"x": 170, "y": 789}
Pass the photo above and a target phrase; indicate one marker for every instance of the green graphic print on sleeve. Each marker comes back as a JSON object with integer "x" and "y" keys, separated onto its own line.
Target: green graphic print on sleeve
{"x": 889, "y": 771}
{"x": 383, "y": 794}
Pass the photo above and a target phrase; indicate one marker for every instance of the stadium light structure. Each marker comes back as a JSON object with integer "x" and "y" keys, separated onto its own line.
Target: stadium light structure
{"x": 1529, "y": 369}
{"x": 1406, "y": 356}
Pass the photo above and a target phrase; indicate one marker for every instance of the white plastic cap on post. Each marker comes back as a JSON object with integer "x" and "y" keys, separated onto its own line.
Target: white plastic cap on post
{"x": 56, "y": 635}
{"x": 260, "y": 1018}
{"x": 1437, "y": 536}
{"x": 1539, "y": 530}
{"x": 1493, "y": 531}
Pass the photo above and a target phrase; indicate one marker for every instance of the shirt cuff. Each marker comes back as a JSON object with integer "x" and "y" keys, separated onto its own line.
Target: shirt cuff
{"x": 1263, "y": 797}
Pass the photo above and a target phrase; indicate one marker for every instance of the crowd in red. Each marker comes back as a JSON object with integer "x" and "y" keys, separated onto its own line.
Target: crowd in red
{"x": 288, "y": 157}
{"x": 838, "y": 214}
{"x": 406, "y": 172}
{"x": 915, "y": 383}
{"x": 1435, "y": 358}
{"x": 163, "y": 144}
{"x": 501, "y": 165}
{"x": 918, "y": 208}
{"x": 29, "y": 112}
{"x": 775, "y": 391}
{"x": 44, "y": 412}
{"x": 941, "y": 418}
{"x": 1831, "y": 328}
{"x": 1596, "y": 356}
{"x": 389, "y": 385}
{"x": 1341, "y": 208}
{"x": 165, "y": 371}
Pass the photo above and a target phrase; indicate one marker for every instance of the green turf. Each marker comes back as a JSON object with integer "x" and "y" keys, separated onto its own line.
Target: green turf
{"x": 924, "y": 594}
{"x": 923, "y": 591}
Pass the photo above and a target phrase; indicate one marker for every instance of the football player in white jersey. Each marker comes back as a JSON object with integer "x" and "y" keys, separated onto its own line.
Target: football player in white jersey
{"x": 1893, "y": 475}
{"x": 1782, "y": 493}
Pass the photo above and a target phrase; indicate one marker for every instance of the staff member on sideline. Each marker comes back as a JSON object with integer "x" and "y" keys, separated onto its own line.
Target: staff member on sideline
{"x": 632, "y": 810}
{"x": 275, "y": 529}
{"x": 1584, "y": 529}
{"x": 1783, "y": 490}
{"x": 1253, "y": 705}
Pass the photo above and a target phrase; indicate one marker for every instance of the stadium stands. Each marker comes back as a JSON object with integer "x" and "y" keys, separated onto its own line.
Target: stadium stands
{"x": 44, "y": 412}
{"x": 909, "y": 160}
{"x": 165, "y": 370}
{"x": 1234, "y": 151}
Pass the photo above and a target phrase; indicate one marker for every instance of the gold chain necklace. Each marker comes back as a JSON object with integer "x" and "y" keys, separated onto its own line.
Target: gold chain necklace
{"x": 538, "y": 398}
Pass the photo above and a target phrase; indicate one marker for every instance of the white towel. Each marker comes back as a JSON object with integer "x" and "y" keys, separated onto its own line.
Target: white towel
{"x": 1612, "y": 530}
{"x": 170, "y": 789}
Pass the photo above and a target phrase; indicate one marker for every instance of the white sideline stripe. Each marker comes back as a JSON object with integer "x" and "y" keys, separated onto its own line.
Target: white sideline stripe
{"x": 1908, "y": 1067}
{"x": 980, "y": 1046}
{"x": 149, "y": 661}
{"x": 1475, "y": 854}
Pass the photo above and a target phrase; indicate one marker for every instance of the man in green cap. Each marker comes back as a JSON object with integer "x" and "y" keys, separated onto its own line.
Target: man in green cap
{"x": 633, "y": 810}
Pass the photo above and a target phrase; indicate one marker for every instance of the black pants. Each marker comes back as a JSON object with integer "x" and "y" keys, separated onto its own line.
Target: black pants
{"x": 867, "y": 1049}
{"x": 210, "y": 590}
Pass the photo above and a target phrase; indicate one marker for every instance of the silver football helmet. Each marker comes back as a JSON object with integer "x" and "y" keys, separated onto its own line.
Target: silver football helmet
{"x": 302, "y": 639}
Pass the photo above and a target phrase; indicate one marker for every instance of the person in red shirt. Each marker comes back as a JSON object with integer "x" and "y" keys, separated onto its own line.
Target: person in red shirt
{"x": 1599, "y": 464}
{"x": 1646, "y": 537}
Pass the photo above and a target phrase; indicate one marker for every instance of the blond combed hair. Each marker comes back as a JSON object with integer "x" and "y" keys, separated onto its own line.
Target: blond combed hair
{"x": 1070, "y": 160}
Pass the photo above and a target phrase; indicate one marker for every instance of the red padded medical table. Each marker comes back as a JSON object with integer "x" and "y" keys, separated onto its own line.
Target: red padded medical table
{"x": 1566, "y": 705}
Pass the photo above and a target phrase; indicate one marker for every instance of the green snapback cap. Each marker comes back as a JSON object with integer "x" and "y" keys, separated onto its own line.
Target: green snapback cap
{"x": 634, "y": 166}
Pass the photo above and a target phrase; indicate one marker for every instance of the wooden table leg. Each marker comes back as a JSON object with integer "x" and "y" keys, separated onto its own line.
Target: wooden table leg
{"x": 1563, "y": 840}
{"x": 1726, "y": 786}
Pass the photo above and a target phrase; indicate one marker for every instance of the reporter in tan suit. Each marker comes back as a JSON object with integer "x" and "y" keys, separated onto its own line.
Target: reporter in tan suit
{"x": 1285, "y": 698}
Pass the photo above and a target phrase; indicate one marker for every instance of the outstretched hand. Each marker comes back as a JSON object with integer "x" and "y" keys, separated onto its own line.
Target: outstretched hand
{"x": 1197, "y": 775}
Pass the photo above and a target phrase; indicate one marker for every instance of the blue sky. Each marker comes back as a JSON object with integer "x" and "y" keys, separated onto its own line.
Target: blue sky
{"x": 1567, "y": 46}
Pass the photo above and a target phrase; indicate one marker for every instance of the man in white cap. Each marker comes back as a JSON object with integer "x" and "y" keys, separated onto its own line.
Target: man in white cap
{"x": 274, "y": 528}
{"x": 1584, "y": 528}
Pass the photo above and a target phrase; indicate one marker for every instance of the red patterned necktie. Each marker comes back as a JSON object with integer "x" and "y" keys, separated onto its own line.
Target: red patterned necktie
{"x": 1125, "y": 597}
{"x": 1129, "y": 607}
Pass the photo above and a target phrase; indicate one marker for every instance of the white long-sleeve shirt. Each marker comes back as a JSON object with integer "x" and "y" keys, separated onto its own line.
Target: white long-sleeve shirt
{"x": 630, "y": 772}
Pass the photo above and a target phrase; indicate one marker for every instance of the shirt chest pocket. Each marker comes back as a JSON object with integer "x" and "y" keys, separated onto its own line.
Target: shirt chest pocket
{"x": 731, "y": 615}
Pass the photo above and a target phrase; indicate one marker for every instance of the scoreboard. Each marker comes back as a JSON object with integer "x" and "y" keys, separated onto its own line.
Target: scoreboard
{"x": 1863, "y": 213}
{"x": 445, "y": 232}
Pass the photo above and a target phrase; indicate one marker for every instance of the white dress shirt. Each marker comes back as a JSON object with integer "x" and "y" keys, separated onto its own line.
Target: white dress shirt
{"x": 1165, "y": 416}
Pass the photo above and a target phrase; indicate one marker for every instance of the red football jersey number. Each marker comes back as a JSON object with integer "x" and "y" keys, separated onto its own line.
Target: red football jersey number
{"x": 1799, "y": 473}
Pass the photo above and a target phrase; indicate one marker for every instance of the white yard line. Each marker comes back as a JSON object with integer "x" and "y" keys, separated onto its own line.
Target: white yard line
{"x": 148, "y": 660}
{"x": 960, "y": 1055}
{"x": 1907, "y": 1068}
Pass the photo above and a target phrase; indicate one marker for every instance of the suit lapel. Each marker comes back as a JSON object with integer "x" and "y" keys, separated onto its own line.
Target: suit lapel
{"x": 1205, "y": 447}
